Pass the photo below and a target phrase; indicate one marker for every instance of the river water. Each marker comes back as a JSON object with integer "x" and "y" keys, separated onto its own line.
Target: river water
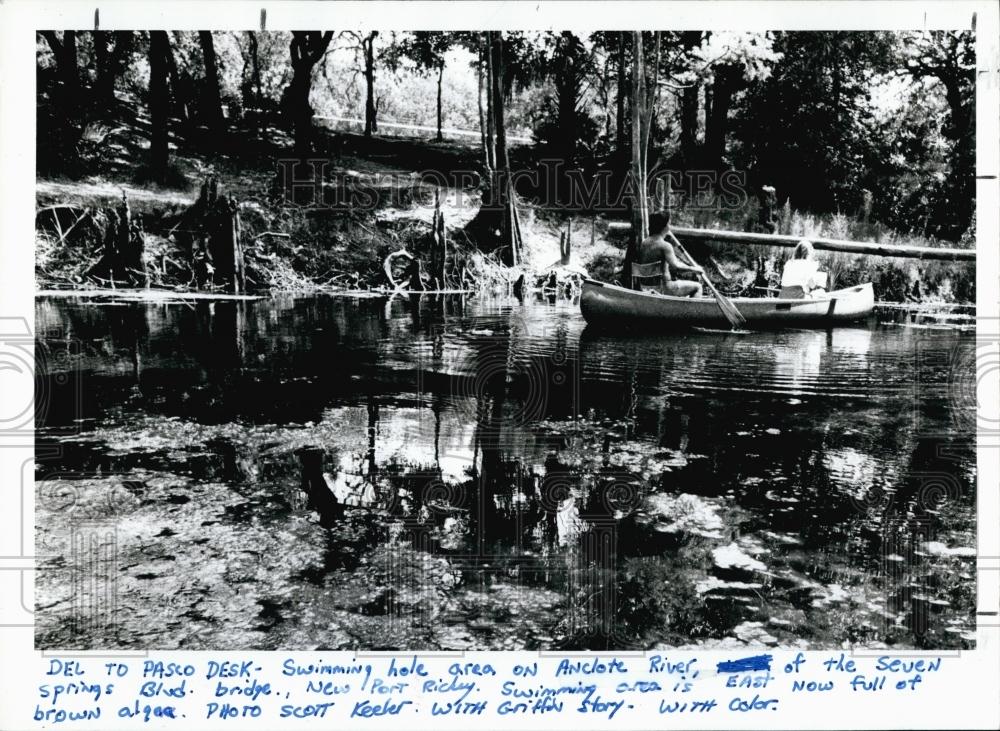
{"x": 440, "y": 473}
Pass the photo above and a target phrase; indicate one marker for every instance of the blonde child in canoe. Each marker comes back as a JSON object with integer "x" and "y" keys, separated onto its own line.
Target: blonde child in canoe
{"x": 801, "y": 277}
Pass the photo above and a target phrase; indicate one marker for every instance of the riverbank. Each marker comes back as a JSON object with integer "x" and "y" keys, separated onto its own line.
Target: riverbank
{"x": 312, "y": 249}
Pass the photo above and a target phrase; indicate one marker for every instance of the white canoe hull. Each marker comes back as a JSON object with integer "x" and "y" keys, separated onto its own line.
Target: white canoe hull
{"x": 613, "y": 306}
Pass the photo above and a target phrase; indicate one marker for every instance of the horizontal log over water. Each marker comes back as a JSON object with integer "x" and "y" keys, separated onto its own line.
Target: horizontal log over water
{"x": 853, "y": 247}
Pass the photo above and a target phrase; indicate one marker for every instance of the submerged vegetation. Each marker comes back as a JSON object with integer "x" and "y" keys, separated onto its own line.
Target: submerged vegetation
{"x": 422, "y": 495}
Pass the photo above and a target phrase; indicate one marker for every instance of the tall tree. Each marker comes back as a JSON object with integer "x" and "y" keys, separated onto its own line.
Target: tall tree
{"x": 427, "y": 51}
{"x": 371, "y": 109}
{"x": 689, "y": 104}
{"x": 948, "y": 58}
{"x": 364, "y": 51}
{"x": 255, "y": 74}
{"x": 177, "y": 87}
{"x": 491, "y": 137}
{"x": 213, "y": 98}
{"x": 159, "y": 49}
{"x": 480, "y": 63}
{"x": 501, "y": 187}
{"x": 570, "y": 65}
{"x": 622, "y": 97}
{"x": 306, "y": 49}
{"x": 812, "y": 111}
{"x": 64, "y": 50}
{"x": 110, "y": 53}
{"x": 727, "y": 62}
{"x": 642, "y": 99}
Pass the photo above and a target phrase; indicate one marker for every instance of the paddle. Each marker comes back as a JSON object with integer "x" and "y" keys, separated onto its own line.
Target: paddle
{"x": 729, "y": 311}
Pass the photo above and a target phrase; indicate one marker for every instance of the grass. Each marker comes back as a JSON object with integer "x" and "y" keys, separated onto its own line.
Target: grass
{"x": 894, "y": 278}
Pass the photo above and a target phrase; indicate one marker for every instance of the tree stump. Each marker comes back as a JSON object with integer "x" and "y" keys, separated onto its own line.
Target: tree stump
{"x": 566, "y": 244}
{"x": 439, "y": 245}
{"x": 415, "y": 275}
{"x": 519, "y": 287}
{"x": 122, "y": 261}
{"x": 214, "y": 240}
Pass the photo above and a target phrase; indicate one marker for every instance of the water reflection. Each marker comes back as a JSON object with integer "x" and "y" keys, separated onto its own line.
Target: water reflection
{"x": 431, "y": 472}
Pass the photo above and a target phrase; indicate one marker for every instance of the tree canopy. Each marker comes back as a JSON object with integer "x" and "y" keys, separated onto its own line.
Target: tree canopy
{"x": 833, "y": 120}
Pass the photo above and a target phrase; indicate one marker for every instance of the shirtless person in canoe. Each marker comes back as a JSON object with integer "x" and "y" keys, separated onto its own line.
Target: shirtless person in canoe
{"x": 655, "y": 248}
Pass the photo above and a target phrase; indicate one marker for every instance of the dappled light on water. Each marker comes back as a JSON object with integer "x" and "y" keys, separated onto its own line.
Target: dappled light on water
{"x": 436, "y": 473}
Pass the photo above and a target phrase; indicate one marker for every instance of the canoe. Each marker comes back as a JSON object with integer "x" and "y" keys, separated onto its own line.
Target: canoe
{"x": 608, "y": 305}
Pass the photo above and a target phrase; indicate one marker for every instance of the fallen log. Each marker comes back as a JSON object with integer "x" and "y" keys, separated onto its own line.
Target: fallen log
{"x": 851, "y": 247}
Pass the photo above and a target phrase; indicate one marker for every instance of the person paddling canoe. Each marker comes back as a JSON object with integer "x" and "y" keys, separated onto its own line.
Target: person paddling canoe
{"x": 655, "y": 248}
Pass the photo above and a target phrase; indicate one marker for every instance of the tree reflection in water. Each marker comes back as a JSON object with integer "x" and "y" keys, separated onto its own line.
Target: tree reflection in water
{"x": 434, "y": 472}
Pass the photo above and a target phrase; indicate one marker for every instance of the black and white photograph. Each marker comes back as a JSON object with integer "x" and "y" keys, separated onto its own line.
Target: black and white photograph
{"x": 529, "y": 340}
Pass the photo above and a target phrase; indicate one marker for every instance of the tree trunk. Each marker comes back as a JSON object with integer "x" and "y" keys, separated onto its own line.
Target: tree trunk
{"x": 960, "y": 130}
{"x": 567, "y": 92}
{"x": 371, "y": 123}
{"x": 705, "y": 236}
{"x": 66, "y": 64}
{"x": 491, "y": 148}
{"x": 440, "y": 135}
{"x": 606, "y": 99}
{"x": 482, "y": 116}
{"x": 718, "y": 100}
{"x": 622, "y": 145}
{"x": 109, "y": 61}
{"x": 439, "y": 246}
{"x": 228, "y": 247}
{"x": 503, "y": 194}
{"x": 70, "y": 68}
{"x": 255, "y": 81}
{"x": 689, "y": 107}
{"x": 707, "y": 108}
{"x": 104, "y": 85}
{"x": 159, "y": 49}
{"x": 306, "y": 48}
{"x": 638, "y": 204}
{"x": 727, "y": 82}
{"x": 496, "y": 63}
{"x": 213, "y": 99}
{"x": 300, "y": 110}
{"x": 179, "y": 95}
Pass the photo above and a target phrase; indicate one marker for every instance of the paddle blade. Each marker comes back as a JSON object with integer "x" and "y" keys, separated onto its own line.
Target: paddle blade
{"x": 729, "y": 311}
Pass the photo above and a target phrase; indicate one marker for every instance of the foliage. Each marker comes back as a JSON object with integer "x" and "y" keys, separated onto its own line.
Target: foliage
{"x": 753, "y": 53}
{"x": 565, "y": 126}
{"x": 849, "y": 112}
{"x": 807, "y": 129}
